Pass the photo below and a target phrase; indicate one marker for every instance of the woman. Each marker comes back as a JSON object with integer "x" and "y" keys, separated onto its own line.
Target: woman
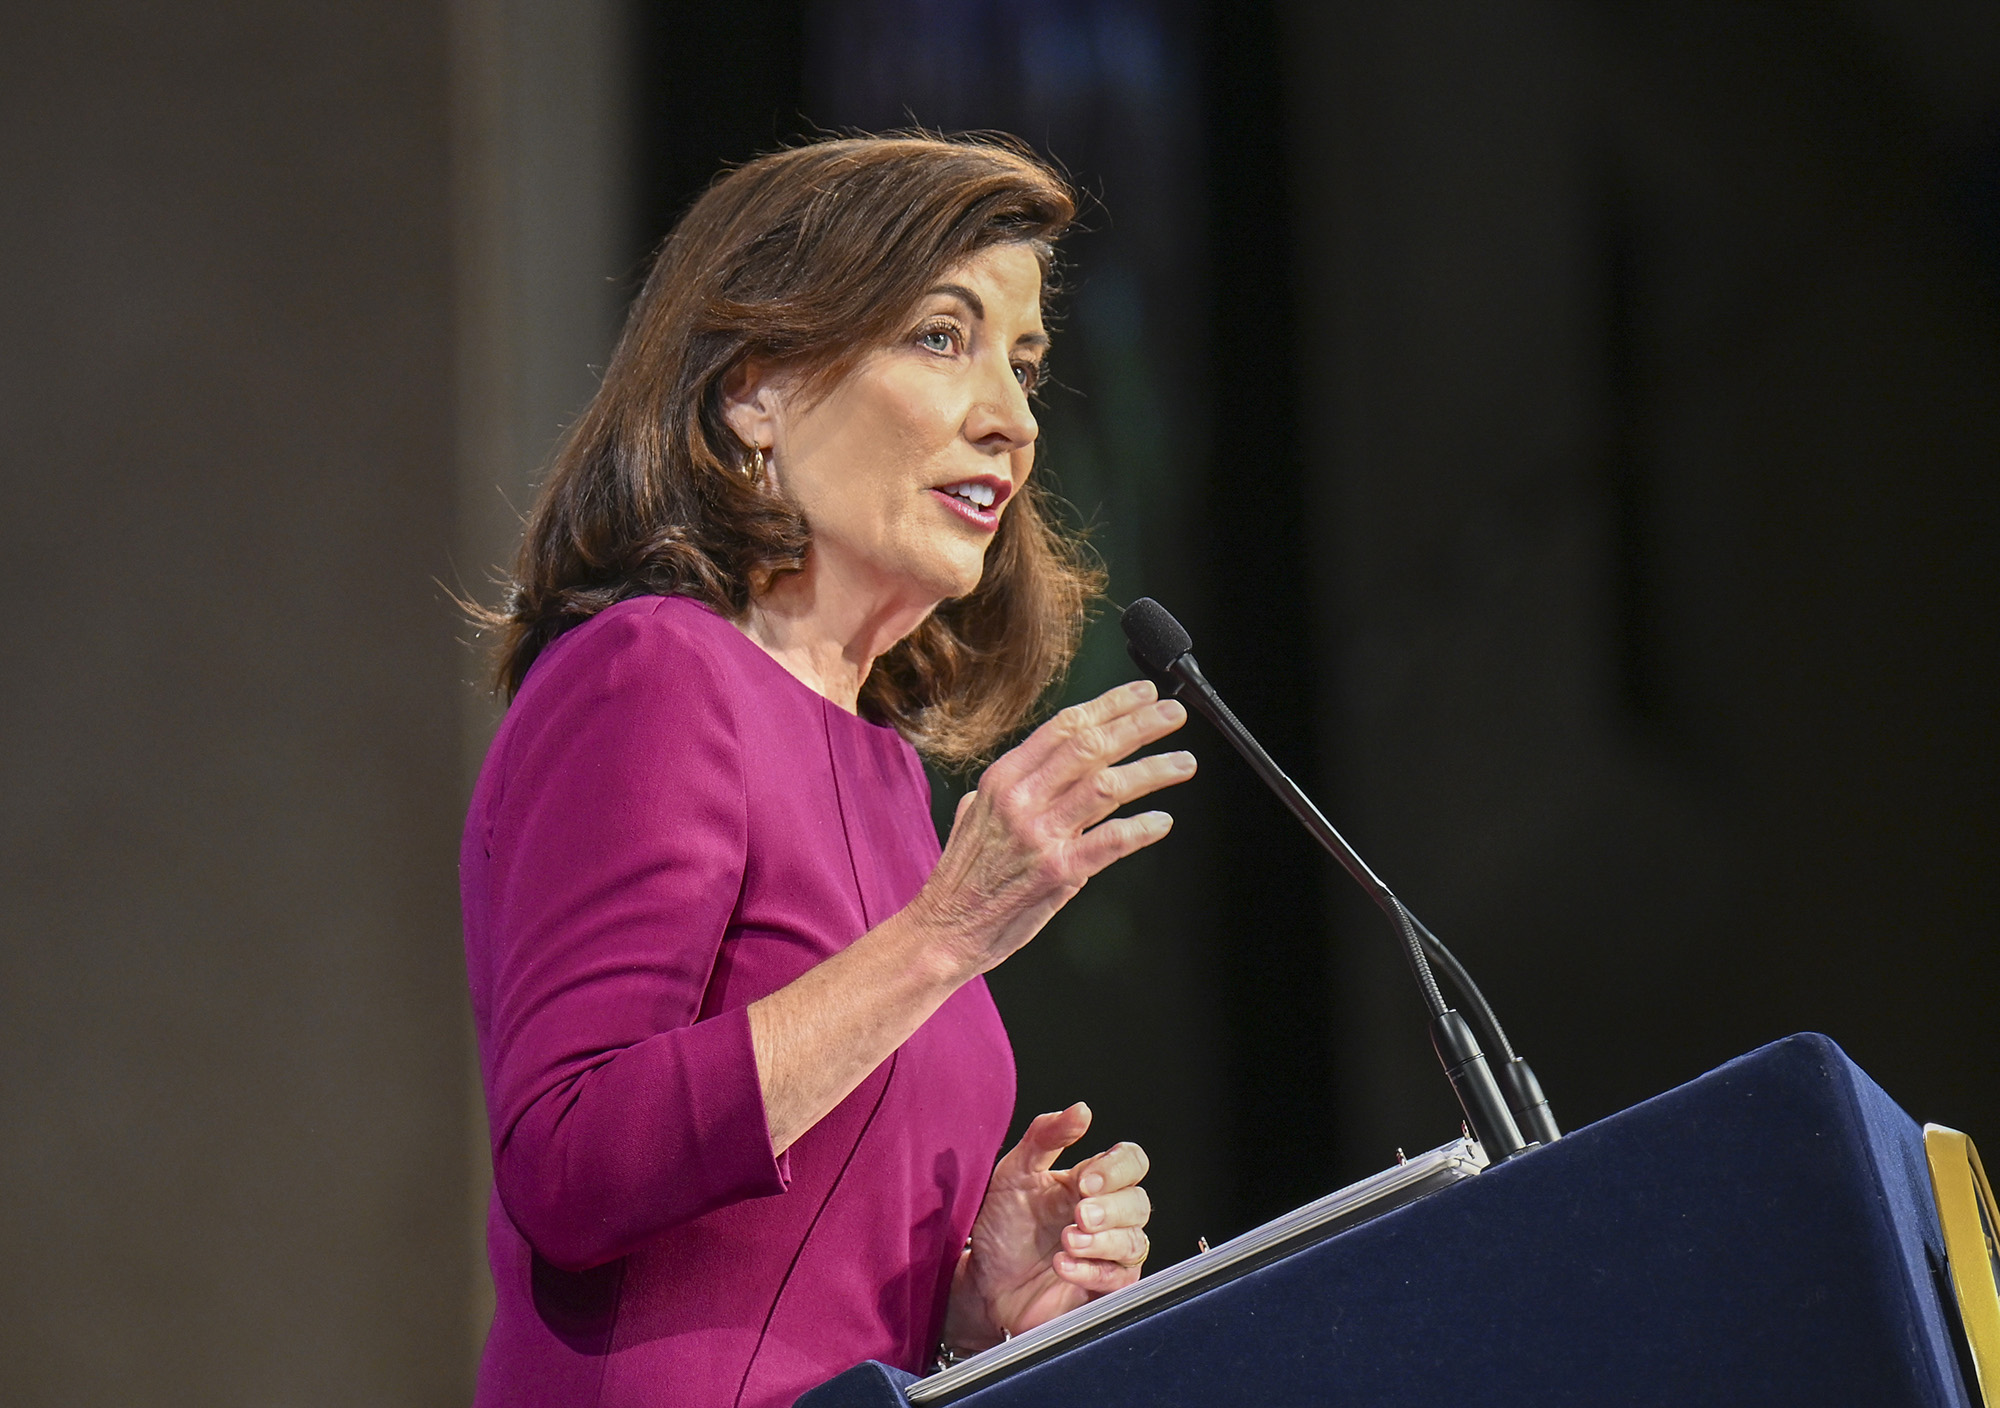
{"x": 745, "y": 1082}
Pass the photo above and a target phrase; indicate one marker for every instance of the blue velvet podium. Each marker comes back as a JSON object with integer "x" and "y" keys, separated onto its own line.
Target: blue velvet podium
{"x": 1763, "y": 1235}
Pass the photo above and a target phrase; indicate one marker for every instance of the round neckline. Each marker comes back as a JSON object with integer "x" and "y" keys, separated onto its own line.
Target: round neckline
{"x": 778, "y": 666}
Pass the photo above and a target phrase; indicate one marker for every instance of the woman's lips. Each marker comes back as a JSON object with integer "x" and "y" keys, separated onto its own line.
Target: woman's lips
{"x": 986, "y": 518}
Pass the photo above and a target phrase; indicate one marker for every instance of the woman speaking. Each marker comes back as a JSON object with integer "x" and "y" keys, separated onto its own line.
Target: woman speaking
{"x": 746, "y": 1086}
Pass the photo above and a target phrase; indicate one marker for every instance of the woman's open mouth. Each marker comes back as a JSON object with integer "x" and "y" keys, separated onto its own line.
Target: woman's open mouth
{"x": 977, "y": 501}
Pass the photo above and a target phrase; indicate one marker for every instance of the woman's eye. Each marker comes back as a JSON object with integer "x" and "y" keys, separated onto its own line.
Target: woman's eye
{"x": 1029, "y": 374}
{"x": 937, "y": 339}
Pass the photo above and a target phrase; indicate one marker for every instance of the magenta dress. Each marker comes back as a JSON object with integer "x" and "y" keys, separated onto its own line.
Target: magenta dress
{"x": 668, "y": 827}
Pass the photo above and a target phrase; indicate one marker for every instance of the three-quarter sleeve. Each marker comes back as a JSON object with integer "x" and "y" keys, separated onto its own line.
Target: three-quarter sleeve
{"x": 616, "y": 849}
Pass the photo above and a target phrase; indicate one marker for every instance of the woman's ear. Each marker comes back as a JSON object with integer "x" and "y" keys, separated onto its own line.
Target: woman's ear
{"x": 751, "y": 403}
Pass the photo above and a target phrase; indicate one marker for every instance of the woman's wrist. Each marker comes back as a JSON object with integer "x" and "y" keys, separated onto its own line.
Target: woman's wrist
{"x": 968, "y": 1324}
{"x": 938, "y": 942}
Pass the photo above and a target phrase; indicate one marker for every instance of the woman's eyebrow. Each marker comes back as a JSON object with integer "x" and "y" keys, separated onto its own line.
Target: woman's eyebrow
{"x": 963, "y": 294}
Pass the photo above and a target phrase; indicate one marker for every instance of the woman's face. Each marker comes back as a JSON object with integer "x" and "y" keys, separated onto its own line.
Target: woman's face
{"x": 905, "y": 468}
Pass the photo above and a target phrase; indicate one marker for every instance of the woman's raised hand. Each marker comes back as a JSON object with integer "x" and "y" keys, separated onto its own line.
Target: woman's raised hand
{"x": 1034, "y": 831}
{"x": 1020, "y": 847}
{"x": 1047, "y": 1241}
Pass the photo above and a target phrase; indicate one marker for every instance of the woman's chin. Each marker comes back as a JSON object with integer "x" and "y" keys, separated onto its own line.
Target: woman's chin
{"x": 966, "y": 583}
{"x": 952, "y": 575}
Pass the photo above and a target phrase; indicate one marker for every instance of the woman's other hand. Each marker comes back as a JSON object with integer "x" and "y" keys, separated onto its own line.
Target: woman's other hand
{"x": 1047, "y": 1241}
{"x": 1034, "y": 831}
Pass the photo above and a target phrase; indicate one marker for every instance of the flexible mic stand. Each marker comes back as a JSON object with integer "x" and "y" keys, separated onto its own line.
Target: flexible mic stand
{"x": 1161, "y": 647}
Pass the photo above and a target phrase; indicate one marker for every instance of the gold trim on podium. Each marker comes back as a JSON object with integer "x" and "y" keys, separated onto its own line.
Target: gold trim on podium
{"x": 1972, "y": 1245}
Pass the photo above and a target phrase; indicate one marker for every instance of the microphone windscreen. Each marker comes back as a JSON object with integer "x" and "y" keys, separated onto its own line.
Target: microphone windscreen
{"x": 1156, "y": 639}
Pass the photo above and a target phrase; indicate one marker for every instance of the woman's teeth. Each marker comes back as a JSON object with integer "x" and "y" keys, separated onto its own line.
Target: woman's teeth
{"x": 979, "y": 495}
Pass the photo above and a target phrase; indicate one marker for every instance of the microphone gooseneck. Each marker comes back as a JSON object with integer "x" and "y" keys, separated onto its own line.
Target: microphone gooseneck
{"x": 1497, "y": 1110}
{"x": 1516, "y": 1076}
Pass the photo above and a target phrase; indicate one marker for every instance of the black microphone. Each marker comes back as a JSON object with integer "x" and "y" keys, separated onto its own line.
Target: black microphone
{"x": 1161, "y": 647}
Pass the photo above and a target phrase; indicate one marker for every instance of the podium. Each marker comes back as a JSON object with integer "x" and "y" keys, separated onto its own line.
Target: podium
{"x": 1764, "y": 1235}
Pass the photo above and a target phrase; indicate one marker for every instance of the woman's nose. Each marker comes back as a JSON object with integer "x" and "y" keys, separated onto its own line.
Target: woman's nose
{"x": 1002, "y": 416}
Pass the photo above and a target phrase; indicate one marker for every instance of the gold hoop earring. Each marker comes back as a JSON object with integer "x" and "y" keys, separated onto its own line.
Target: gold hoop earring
{"x": 753, "y": 466}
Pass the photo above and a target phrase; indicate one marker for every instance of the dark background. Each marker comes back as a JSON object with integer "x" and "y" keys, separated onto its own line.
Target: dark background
{"x": 1570, "y": 431}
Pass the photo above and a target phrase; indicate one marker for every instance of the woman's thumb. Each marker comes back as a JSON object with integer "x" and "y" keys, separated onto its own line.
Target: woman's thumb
{"x": 1048, "y": 1135}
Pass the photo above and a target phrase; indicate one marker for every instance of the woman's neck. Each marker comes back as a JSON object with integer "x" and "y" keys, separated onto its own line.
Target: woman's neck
{"x": 828, "y": 631}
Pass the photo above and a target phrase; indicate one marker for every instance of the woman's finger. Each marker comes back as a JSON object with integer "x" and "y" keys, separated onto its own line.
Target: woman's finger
{"x": 1079, "y": 740}
{"x": 1127, "y": 1207}
{"x": 1098, "y": 794}
{"x": 1087, "y": 745}
{"x": 1048, "y": 1135}
{"x": 1036, "y": 749}
{"x": 1127, "y": 1246}
{"x": 1116, "y": 839}
{"x": 1097, "y": 1277}
{"x": 1120, "y": 1166}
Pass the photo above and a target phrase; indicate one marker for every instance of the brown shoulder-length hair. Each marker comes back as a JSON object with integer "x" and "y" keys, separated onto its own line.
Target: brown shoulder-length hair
{"x": 805, "y": 259}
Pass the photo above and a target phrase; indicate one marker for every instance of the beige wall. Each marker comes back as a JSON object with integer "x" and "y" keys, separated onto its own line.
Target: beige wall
{"x": 236, "y": 1143}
